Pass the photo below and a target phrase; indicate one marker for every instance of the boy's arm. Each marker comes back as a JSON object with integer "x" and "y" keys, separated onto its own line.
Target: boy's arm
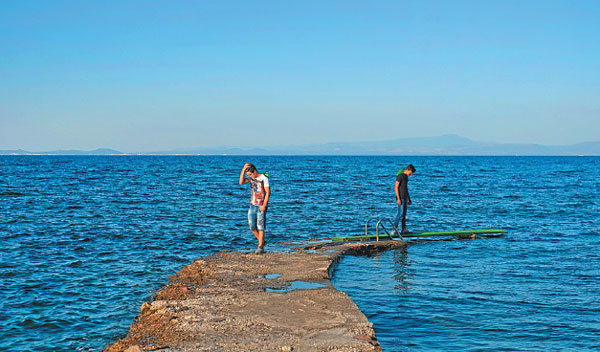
{"x": 242, "y": 178}
{"x": 408, "y": 193}
{"x": 266, "y": 201}
{"x": 397, "y": 189}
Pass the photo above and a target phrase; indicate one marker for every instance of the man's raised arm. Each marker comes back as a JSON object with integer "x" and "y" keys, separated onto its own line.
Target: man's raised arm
{"x": 242, "y": 178}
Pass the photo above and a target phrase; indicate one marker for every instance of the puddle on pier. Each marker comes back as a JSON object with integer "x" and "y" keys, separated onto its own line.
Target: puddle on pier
{"x": 268, "y": 276}
{"x": 296, "y": 285}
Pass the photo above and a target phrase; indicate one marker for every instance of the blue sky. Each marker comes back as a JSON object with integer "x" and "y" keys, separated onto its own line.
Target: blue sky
{"x": 157, "y": 75}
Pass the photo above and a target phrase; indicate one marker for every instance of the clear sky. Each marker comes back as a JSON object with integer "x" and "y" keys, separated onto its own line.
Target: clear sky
{"x": 158, "y": 75}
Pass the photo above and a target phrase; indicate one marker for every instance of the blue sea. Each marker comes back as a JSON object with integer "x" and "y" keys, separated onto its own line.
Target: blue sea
{"x": 85, "y": 240}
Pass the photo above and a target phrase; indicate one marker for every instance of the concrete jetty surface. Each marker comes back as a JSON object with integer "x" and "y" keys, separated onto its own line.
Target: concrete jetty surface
{"x": 234, "y": 301}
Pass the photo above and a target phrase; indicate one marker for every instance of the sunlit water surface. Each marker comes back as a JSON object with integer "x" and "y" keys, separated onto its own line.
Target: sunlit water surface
{"x": 86, "y": 240}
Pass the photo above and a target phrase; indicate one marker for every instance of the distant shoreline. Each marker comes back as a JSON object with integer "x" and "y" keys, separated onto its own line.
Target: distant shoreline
{"x": 445, "y": 145}
{"x": 315, "y": 155}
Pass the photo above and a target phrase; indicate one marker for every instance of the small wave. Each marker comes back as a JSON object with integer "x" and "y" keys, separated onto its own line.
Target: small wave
{"x": 13, "y": 235}
{"x": 76, "y": 264}
{"x": 131, "y": 201}
{"x": 14, "y": 194}
{"x": 32, "y": 324}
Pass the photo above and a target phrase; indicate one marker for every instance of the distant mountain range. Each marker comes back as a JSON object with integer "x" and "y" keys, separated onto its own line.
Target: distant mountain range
{"x": 449, "y": 144}
{"x": 100, "y": 151}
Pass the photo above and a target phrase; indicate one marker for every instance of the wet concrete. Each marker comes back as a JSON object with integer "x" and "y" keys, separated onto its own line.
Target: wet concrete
{"x": 234, "y": 301}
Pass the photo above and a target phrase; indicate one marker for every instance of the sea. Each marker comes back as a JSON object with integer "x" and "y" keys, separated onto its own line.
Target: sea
{"x": 85, "y": 240}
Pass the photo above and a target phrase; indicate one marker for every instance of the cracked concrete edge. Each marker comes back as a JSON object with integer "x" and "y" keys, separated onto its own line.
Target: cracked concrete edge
{"x": 334, "y": 251}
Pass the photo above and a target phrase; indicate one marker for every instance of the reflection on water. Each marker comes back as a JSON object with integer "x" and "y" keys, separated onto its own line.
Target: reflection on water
{"x": 402, "y": 271}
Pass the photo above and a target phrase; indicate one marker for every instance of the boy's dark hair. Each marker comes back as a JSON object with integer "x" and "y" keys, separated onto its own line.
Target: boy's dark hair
{"x": 410, "y": 167}
{"x": 251, "y": 168}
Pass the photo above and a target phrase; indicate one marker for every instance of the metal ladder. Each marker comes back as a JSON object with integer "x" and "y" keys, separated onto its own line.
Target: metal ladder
{"x": 379, "y": 220}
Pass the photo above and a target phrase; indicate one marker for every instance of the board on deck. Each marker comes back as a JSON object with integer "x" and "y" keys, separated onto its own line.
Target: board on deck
{"x": 420, "y": 234}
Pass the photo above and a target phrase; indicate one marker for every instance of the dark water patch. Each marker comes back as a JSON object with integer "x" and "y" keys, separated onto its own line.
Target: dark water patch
{"x": 13, "y": 194}
{"x": 43, "y": 325}
{"x": 8, "y": 236}
{"x": 76, "y": 264}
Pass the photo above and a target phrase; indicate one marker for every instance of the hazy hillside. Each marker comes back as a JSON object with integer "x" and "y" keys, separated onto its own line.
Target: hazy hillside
{"x": 449, "y": 144}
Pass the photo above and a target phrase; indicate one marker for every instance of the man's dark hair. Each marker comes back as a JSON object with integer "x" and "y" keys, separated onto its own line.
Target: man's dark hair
{"x": 251, "y": 168}
{"x": 410, "y": 167}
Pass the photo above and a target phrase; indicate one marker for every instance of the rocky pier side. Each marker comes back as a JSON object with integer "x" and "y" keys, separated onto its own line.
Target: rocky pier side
{"x": 233, "y": 301}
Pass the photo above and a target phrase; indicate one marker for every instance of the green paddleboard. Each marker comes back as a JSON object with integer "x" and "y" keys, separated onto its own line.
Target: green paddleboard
{"x": 421, "y": 234}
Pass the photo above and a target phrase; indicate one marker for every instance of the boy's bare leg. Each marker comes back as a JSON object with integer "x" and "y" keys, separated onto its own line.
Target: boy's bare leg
{"x": 261, "y": 239}
{"x": 256, "y": 234}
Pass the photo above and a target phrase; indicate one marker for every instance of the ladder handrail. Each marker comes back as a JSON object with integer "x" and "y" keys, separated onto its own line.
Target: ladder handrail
{"x": 367, "y": 225}
{"x": 386, "y": 231}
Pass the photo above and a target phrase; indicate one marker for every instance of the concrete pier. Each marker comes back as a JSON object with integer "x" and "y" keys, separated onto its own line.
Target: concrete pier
{"x": 235, "y": 301}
